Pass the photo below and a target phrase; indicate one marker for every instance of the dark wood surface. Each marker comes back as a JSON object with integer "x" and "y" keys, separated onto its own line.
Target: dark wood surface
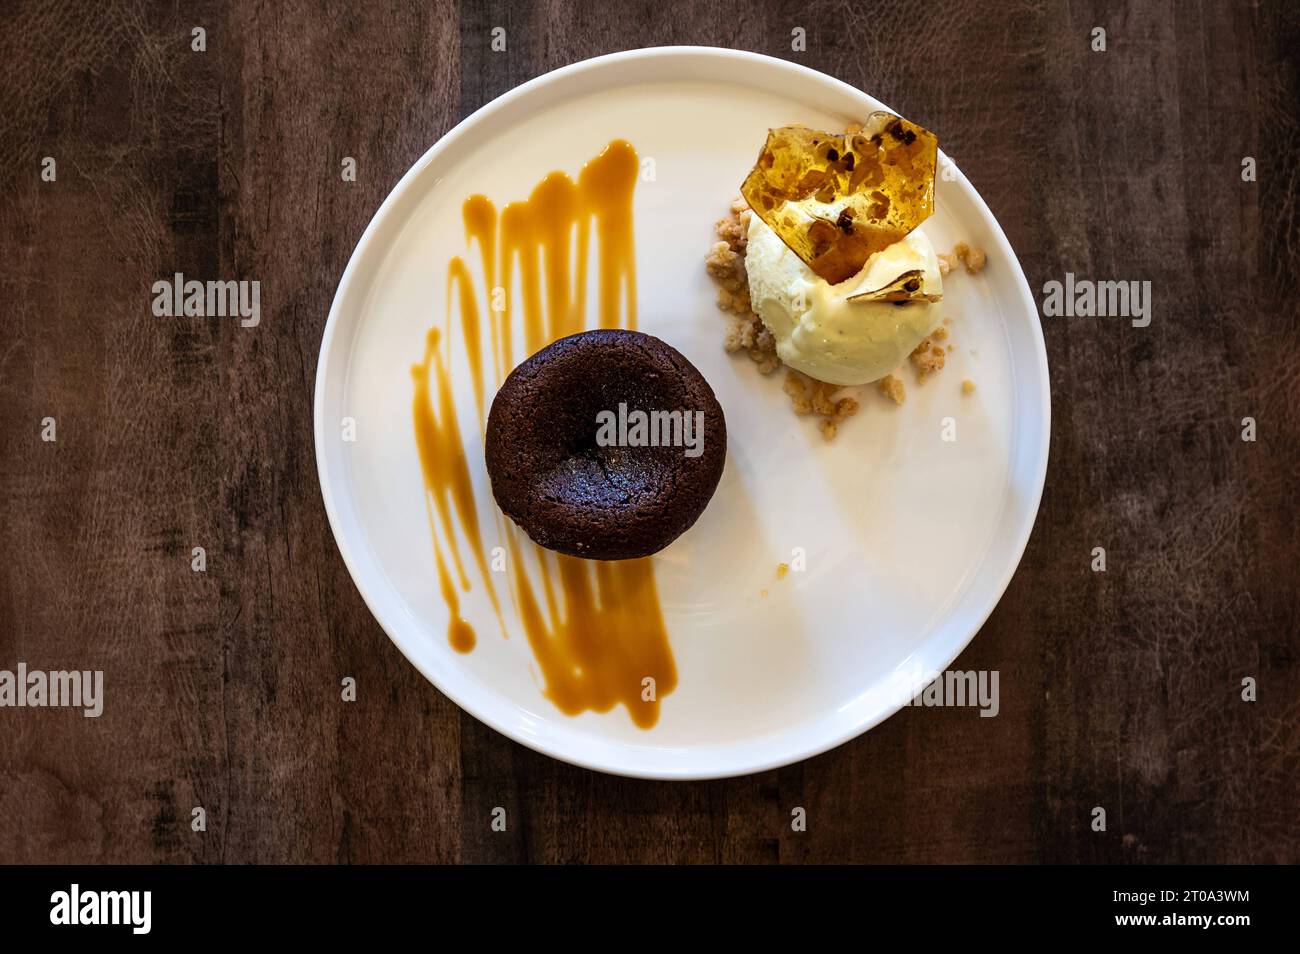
{"x": 1119, "y": 689}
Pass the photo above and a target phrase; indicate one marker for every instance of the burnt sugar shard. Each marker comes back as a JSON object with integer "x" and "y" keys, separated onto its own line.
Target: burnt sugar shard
{"x": 211, "y": 299}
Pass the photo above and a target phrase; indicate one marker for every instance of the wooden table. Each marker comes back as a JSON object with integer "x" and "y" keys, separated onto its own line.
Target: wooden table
{"x": 1119, "y": 689}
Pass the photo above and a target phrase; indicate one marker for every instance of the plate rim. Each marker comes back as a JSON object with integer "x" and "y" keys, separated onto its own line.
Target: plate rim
{"x": 600, "y": 761}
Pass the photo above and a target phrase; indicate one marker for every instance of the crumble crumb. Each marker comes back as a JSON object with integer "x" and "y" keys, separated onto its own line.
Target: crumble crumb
{"x": 973, "y": 258}
{"x": 781, "y": 570}
{"x": 963, "y": 253}
{"x": 892, "y": 388}
{"x": 733, "y": 228}
{"x": 809, "y": 396}
{"x": 968, "y": 386}
{"x": 821, "y": 394}
{"x": 929, "y": 356}
{"x": 794, "y": 387}
{"x": 725, "y": 262}
{"x": 763, "y": 353}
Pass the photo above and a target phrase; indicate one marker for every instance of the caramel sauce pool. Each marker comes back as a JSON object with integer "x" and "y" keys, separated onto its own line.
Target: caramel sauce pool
{"x": 595, "y": 628}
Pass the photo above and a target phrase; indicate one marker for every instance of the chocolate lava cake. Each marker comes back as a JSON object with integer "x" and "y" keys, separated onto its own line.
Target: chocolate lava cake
{"x": 568, "y": 463}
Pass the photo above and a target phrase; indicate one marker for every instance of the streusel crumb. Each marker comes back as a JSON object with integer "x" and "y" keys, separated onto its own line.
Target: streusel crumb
{"x": 968, "y": 386}
{"x": 725, "y": 262}
{"x": 733, "y": 231}
{"x": 794, "y": 386}
{"x": 929, "y": 356}
{"x": 727, "y": 266}
{"x": 973, "y": 258}
{"x": 809, "y": 396}
{"x": 892, "y": 388}
{"x": 963, "y": 253}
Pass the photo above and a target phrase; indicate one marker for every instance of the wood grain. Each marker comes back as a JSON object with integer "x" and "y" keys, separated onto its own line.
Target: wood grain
{"x": 1119, "y": 689}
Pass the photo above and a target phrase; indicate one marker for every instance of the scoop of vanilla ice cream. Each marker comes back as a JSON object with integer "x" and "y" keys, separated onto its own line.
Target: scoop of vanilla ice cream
{"x": 818, "y": 330}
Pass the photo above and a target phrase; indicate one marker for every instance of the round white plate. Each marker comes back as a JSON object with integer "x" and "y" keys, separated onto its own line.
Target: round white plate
{"x": 909, "y": 539}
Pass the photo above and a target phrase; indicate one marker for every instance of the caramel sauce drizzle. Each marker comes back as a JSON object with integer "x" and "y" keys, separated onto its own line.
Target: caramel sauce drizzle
{"x": 595, "y": 628}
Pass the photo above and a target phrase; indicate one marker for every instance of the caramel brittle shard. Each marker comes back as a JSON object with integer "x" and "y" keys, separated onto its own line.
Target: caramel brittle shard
{"x": 837, "y": 200}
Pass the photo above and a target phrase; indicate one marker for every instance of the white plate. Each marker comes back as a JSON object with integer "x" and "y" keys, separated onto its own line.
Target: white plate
{"x": 910, "y": 539}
